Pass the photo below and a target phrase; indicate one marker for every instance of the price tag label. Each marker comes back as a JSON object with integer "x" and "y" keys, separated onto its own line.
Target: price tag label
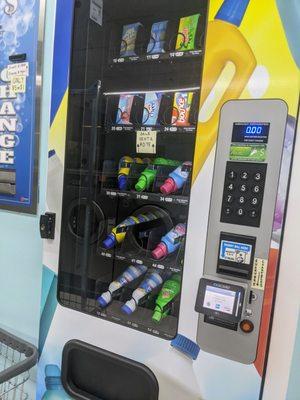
{"x": 146, "y": 142}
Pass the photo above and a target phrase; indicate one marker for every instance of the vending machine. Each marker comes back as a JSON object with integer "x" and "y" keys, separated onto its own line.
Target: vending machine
{"x": 172, "y": 134}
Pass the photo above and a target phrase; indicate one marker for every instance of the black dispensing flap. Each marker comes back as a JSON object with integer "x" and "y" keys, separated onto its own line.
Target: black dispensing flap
{"x": 91, "y": 373}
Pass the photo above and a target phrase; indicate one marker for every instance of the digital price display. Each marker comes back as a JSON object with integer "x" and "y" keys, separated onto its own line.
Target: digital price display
{"x": 252, "y": 133}
{"x": 249, "y": 141}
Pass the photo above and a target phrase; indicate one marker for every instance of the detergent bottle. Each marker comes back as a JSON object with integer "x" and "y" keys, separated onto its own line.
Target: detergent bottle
{"x": 55, "y": 390}
{"x": 131, "y": 274}
{"x": 168, "y": 293}
{"x": 158, "y": 37}
{"x": 182, "y": 108}
{"x": 129, "y": 37}
{"x": 290, "y": 15}
{"x": 179, "y": 357}
{"x": 151, "y": 108}
{"x": 124, "y": 169}
{"x": 170, "y": 242}
{"x": 152, "y": 282}
{"x": 118, "y": 233}
{"x": 225, "y": 43}
{"x": 149, "y": 174}
{"x": 187, "y": 33}
{"x": 177, "y": 179}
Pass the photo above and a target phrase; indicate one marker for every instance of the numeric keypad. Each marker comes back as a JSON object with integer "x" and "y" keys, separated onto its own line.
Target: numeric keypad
{"x": 243, "y": 193}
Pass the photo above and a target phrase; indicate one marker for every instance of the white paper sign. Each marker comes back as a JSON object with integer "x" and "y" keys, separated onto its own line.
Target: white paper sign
{"x": 96, "y": 11}
{"x": 18, "y": 84}
{"x": 146, "y": 142}
{"x": 259, "y": 274}
{"x": 19, "y": 69}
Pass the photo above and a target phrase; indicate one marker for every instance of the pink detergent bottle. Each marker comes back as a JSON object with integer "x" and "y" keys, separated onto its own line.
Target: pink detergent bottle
{"x": 170, "y": 242}
{"x": 177, "y": 179}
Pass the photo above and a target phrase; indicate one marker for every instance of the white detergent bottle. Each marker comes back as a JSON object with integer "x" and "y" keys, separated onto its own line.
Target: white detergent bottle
{"x": 174, "y": 370}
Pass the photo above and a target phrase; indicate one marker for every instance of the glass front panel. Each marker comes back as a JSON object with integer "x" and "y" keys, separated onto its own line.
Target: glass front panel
{"x": 132, "y": 117}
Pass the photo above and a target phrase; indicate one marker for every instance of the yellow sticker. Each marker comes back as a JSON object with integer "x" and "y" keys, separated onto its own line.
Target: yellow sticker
{"x": 18, "y": 84}
{"x": 259, "y": 273}
{"x": 146, "y": 142}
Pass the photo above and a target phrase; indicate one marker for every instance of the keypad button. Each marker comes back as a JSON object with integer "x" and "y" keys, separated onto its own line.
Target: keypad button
{"x": 243, "y": 188}
{"x": 254, "y": 201}
{"x": 256, "y": 189}
{"x": 228, "y": 211}
{"x": 229, "y": 199}
{"x": 232, "y": 175}
{"x": 242, "y": 200}
{"x": 245, "y": 175}
{"x": 240, "y": 212}
{"x": 258, "y": 176}
{"x": 231, "y": 187}
{"x": 253, "y": 214}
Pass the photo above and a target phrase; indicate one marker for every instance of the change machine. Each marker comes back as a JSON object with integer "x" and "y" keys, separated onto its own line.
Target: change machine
{"x": 173, "y": 127}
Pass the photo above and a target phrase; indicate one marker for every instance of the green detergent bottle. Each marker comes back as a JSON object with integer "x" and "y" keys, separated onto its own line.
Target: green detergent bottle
{"x": 169, "y": 291}
{"x": 148, "y": 175}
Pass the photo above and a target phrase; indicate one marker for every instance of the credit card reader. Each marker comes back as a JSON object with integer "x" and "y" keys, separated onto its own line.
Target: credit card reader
{"x": 245, "y": 184}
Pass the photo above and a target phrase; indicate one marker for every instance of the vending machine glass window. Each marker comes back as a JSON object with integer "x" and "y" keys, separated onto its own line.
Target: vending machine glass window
{"x": 132, "y": 118}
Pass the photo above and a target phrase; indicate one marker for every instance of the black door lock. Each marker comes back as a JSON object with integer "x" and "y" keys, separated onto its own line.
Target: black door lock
{"x": 47, "y": 225}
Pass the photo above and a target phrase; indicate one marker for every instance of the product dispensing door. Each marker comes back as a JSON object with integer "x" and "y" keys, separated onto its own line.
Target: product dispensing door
{"x": 245, "y": 184}
{"x": 132, "y": 118}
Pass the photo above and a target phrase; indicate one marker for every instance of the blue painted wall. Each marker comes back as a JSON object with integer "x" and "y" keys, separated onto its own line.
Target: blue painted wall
{"x": 20, "y": 243}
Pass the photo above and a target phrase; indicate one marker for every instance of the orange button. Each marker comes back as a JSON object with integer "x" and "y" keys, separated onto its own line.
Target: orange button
{"x": 247, "y": 326}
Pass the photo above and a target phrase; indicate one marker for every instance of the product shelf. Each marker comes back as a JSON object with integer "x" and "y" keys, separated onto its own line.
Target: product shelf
{"x": 140, "y": 320}
{"x": 172, "y": 55}
{"x": 170, "y": 263}
{"x": 147, "y": 197}
{"x": 168, "y": 129}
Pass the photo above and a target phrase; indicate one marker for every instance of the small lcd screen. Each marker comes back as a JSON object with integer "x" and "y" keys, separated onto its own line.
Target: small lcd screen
{"x": 219, "y": 299}
{"x": 251, "y": 133}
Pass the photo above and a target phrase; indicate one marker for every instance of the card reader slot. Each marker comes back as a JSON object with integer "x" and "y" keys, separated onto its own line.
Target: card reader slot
{"x": 221, "y": 323}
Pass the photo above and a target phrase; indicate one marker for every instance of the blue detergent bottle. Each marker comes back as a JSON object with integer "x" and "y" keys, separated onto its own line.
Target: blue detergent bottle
{"x": 170, "y": 242}
{"x": 290, "y": 15}
{"x": 177, "y": 179}
{"x": 55, "y": 390}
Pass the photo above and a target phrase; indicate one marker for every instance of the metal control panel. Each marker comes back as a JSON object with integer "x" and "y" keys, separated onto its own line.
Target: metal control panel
{"x": 245, "y": 184}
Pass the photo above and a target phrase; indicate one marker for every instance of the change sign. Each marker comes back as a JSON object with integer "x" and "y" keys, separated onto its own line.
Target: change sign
{"x": 18, "y": 36}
